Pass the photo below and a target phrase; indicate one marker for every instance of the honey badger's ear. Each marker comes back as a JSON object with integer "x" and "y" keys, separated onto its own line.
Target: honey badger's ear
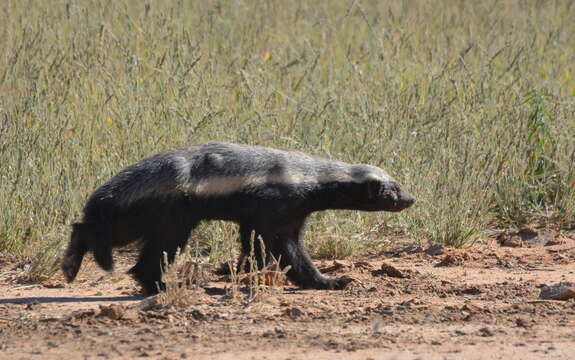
{"x": 373, "y": 187}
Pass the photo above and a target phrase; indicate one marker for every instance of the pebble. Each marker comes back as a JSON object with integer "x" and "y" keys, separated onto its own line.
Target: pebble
{"x": 560, "y": 291}
{"x": 435, "y": 249}
{"x": 391, "y": 271}
{"x": 513, "y": 241}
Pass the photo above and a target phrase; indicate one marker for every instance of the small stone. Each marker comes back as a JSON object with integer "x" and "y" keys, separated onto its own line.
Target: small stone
{"x": 560, "y": 291}
{"x": 337, "y": 266}
{"x": 471, "y": 291}
{"x": 528, "y": 236}
{"x": 455, "y": 258}
{"x": 275, "y": 278}
{"x": 280, "y": 332}
{"x": 528, "y": 230}
{"x": 521, "y": 322}
{"x": 513, "y": 241}
{"x": 470, "y": 308}
{"x": 150, "y": 303}
{"x": 362, "y": 265}
{"x": 485, "y": 331}
{"x": 198, "y": 315}
{"x": 377, "y": 324}
{"x": 56, "y": 317}
{"x": 130, "y": 315}
{"x": 539, "y": 240}
{"x": 114, "y": 312}
{"x": 53, "y": 284}
{"x": 554, "y": 242}
{"x": 435, "y": 249}
{"x": 391, "y": 271}
{"x": 32, "y": 306}
{"x": 294, "y": 312}
{"x": 412, "y": 248}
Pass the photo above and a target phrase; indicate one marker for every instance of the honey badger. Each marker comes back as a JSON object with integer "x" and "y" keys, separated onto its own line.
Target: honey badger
{"x": 161, "y": 199}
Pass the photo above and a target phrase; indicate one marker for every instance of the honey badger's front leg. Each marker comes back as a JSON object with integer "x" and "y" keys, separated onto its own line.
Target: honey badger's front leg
{"x": 251, "y": 250}
{"x": 286, "y": 244}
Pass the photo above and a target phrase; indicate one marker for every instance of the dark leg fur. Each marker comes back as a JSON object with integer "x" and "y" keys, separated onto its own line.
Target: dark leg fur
{"x": 251, "y": 249}
{"x": 77, "y": 248}
{"x": 147, "y": 269}
{"x": 287, "y": 246}
{"x": 167, "y": 236}
{"x": 101, "y": 247}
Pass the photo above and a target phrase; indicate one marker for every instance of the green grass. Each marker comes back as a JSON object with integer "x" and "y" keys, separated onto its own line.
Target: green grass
{"x": 470, "y": 105}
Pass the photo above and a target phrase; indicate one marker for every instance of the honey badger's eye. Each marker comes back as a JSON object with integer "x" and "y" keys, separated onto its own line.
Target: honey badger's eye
{"x": 373, "y": 187}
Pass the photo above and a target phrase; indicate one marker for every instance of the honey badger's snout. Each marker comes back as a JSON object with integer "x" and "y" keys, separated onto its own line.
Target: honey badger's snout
{"x": 404, "y": 199}
{"x": 397, "y": 199}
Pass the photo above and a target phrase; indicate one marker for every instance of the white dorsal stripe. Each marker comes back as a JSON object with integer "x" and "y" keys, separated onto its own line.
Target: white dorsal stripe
{"x": 229, "y": 184}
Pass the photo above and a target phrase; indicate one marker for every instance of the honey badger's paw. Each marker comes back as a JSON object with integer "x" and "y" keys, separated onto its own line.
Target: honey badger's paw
{"x": 340, "y": 283}
{"x": 331, "y": 283}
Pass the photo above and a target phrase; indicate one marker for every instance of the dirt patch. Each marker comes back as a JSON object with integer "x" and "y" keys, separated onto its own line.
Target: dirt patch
{"x": 481, "y": 302}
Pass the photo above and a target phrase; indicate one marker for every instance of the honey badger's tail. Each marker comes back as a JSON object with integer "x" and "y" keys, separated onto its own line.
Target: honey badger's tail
{"x": 86, "y": 237}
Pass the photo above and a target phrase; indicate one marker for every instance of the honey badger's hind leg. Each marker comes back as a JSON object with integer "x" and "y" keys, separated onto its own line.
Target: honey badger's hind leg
{"x": 167, "y": 236}
{"x": 287, "y": 245}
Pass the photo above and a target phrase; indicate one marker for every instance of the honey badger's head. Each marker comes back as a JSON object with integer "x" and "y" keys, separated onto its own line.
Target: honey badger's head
{"x": 377, "y": 191}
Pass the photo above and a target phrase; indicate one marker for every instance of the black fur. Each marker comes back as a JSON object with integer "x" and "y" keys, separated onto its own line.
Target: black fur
{"x": 161, "y": 199}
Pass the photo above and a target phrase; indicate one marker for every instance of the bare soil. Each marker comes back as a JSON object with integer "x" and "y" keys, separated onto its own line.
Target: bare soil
{"x": 479, "y": 303}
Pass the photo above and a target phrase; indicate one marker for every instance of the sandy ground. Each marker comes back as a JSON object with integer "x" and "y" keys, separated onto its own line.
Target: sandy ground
{"x": 481, "y": 303}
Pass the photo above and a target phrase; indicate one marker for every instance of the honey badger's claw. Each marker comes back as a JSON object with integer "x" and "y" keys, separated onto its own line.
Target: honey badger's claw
{"x": 342, "y": 282}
